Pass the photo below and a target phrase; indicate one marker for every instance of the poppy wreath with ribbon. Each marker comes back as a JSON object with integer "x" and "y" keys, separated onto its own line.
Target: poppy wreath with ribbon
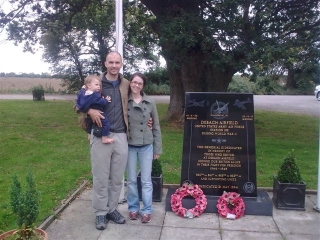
{"x": 193, "y": 190}
{"x": 230, "y": 203}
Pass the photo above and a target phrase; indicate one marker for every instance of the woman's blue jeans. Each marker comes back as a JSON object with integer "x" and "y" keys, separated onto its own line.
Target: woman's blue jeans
{"x": 145, "y": 156}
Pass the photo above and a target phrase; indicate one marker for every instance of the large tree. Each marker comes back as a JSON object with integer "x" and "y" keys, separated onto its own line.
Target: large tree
{"x": 206, "y": 42}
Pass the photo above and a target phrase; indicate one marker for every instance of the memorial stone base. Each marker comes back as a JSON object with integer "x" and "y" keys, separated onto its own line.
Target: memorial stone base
{"x": 261, "y": 205}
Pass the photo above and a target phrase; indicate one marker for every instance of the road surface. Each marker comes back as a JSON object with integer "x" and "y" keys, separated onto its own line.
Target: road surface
{"x": 299, "y": 104}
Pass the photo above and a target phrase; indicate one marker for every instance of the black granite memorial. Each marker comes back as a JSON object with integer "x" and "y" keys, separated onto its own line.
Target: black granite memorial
{"x": 219, "y": 149}
{"x": 219, "y": 143}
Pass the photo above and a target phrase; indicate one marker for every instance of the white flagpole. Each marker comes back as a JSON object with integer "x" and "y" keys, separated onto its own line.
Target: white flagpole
{"x": 317, "y": 207}
{"x": 119, "y": 28}
{"x": 119, "y": 49}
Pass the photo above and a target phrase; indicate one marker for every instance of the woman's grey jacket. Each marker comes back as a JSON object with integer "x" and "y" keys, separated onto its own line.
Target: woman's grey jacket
{"x": 138, "y": 116}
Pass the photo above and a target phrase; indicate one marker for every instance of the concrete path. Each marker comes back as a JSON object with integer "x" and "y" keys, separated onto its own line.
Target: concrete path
{"x": 77, "y": 222}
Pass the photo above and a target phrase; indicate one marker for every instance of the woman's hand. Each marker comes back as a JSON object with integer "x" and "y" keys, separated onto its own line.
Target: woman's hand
{"x": 156, "y": 156}
{"x": 150, "y": 123}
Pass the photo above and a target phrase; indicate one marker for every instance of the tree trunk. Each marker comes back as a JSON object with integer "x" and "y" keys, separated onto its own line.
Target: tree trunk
{"x": 291, "y": 84}
{"x": 188, "y": 52}
{"x": 194, "y": 75}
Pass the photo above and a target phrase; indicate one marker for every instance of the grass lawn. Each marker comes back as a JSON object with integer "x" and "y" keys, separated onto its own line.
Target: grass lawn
{"x": 44, "y": 137}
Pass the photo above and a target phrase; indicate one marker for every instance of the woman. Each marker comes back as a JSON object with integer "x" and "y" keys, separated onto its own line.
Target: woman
{"x": 145, "y": 145}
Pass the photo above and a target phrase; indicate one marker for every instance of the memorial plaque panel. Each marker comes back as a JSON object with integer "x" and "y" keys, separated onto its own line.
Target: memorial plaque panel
{"x": 219, "y": 143}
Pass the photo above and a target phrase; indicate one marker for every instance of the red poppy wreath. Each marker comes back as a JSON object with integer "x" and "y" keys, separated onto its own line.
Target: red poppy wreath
{"x": 230, "y": 205}
{"x": 188, "y": 190}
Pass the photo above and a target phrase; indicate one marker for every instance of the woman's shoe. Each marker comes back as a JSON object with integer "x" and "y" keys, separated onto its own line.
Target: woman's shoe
{"x": 146, "y": 218}
{"x": 133, "y": 215}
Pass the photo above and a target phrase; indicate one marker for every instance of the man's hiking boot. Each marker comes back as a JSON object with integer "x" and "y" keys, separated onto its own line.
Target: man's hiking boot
{"x": 116, "y": 217}
{"x": 101, "y": 222}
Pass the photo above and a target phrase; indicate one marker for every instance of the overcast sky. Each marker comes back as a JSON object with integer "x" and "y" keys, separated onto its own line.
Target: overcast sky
{"x": 13, "y": 59}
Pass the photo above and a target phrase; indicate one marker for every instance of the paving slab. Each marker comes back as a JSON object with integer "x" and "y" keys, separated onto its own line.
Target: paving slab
{"x": 77, "y": 222}
{"x": 248, "y": 235}
{"x": 173, "y": 233}
{"x": 295, "y": 224}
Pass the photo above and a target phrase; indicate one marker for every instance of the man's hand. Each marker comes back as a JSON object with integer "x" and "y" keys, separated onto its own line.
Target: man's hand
{"x": 96, "y": 116}
{"x": 150, "y": 123}
{"x": 156, "y": 156}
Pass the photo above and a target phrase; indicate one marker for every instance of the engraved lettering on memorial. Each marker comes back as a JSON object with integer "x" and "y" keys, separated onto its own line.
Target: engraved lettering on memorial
{"x": 191, "y": 116}
{"x": 247, "y": 117}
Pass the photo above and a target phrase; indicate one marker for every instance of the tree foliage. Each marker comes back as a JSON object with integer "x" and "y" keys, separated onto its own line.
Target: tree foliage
{"x": 76, "y": 35}
{"x": 158, "y": 76}
{"x": 206, "y": 42}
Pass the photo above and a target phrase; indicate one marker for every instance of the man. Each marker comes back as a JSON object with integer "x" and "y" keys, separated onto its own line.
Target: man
{"x": 109, "y": 161}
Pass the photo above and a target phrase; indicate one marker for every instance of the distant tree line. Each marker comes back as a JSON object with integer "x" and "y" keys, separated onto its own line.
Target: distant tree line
{"x": 26, "y": 75}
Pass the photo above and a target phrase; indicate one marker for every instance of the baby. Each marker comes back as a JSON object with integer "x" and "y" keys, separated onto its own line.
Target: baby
{"x": 89, "y": 97}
